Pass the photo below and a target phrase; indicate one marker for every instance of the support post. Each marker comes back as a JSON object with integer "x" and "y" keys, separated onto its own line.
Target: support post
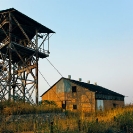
{"x": 24, "y": 82}
{"x": 36, "y": 69}
{"x": 79, "y": 125}
{"x": 14, "y": 84}
{"x": 52, "y": 123}
{"x": 10, "y": 55}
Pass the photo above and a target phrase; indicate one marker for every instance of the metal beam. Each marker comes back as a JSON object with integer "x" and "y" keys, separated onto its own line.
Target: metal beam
{"x": 21, "y": 28}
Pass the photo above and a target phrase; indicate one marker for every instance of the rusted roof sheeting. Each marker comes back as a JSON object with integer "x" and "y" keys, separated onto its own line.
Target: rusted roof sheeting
{"x": 95, "y": 88}
{"x": 28, "y": 24}
{"x": 25, "y": 20}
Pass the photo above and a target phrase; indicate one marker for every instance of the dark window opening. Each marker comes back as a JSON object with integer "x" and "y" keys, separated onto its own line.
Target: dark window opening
{"x": 74, "y": 89}
{"x": 114, "y": 105}
{"x": 74, "y": 106}
{"x": 63, "y": 104}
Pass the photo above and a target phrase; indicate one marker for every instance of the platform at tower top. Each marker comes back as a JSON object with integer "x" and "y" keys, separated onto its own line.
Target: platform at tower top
{"x": 28, "y": 24}
{"x": 22, "y": 30}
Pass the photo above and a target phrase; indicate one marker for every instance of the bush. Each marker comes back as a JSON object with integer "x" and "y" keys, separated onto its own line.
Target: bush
{"x": 125, "y": 121}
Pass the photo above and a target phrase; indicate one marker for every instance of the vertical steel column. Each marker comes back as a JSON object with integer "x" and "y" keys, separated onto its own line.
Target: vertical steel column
{"x": 14, "y": 84}
{"x": 10, "y": 55}
{"x": 36, "y": 69}
{"x": 24, "y": 84}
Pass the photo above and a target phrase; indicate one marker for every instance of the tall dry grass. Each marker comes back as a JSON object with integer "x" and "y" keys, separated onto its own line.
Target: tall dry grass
{"x": 20, "y": 117}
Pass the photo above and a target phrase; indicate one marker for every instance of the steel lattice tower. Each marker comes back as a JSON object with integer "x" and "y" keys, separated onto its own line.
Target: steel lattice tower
{"x": 21, "y": 45}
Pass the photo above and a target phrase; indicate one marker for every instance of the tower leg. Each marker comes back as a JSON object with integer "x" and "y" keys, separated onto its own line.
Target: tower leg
{"x": 10, "y": 56}
{"x": 36, "y": 71}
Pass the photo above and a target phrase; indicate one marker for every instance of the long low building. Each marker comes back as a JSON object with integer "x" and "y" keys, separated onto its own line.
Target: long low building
{"x": 79, "y": 96}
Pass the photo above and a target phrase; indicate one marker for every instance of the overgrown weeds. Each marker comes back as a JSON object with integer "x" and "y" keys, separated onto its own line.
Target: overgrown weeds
{"x": 47, "y": 118}
{"x": 15, "y": 108}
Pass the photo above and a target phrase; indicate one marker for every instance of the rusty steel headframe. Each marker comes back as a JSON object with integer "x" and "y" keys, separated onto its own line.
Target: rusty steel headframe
{"x": 21, "y": 45}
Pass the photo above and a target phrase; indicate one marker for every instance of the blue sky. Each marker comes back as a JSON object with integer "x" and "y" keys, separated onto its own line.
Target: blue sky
{"x": 93, "y": 40}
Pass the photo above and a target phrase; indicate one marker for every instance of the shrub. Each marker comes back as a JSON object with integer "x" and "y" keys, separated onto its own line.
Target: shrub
{"x": 125, "y": 121}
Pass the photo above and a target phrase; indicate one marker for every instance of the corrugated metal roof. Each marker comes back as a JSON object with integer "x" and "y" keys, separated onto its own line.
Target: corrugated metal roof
{"x": 95, "y": 88}
{"x": 28, "y": 24}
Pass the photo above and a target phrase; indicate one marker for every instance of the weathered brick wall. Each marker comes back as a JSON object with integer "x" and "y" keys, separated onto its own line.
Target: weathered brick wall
{"x": 82, "y": 98}
{"x": 51, "y": 95}
{"x": 110, "y": 104}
